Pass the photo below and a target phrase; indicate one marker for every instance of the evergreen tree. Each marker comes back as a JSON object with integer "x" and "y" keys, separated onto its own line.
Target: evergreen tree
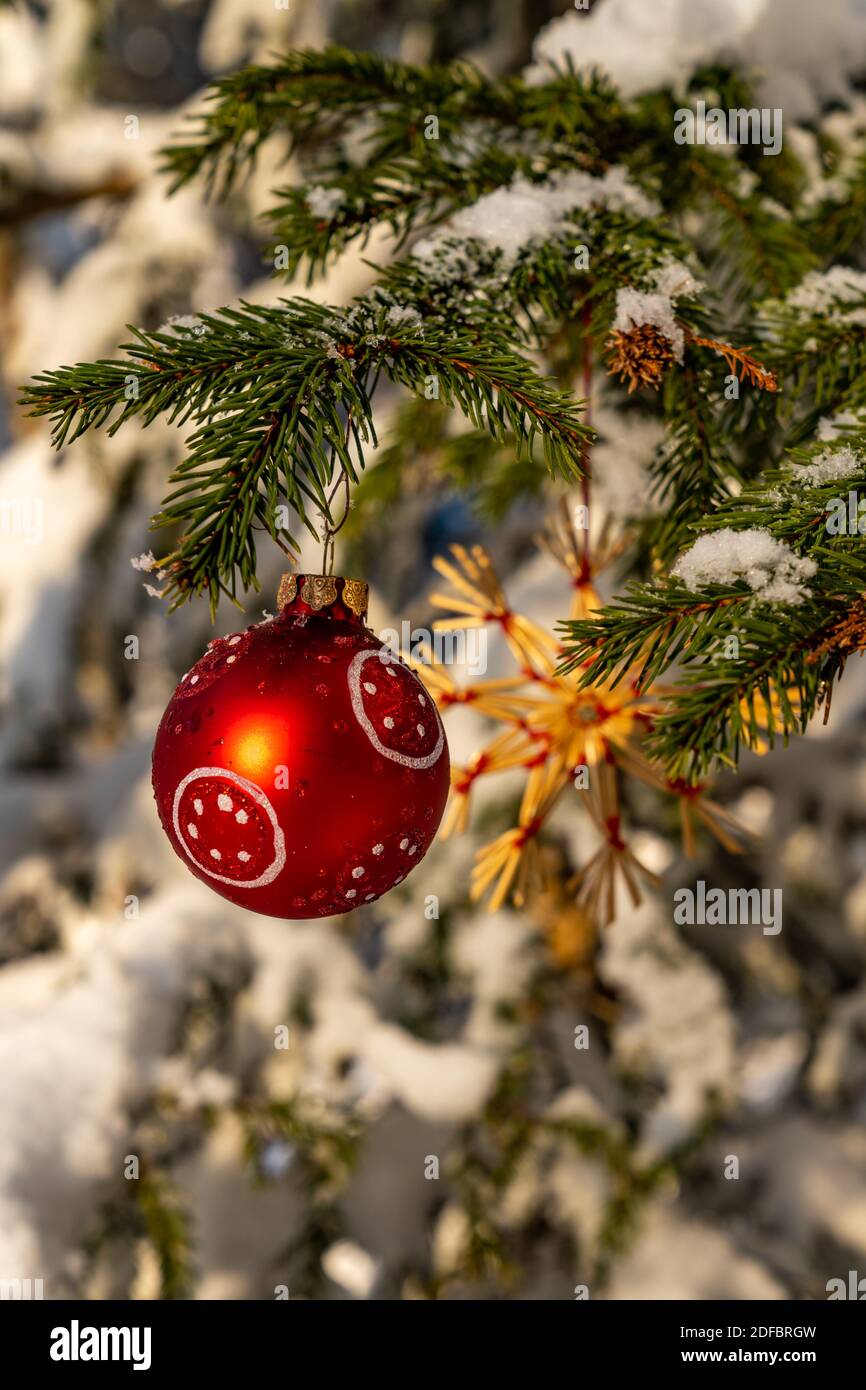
{"x": 554, "y": 230}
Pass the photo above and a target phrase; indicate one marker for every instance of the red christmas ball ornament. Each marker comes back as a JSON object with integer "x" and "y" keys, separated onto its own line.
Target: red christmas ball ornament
{"x": 301, "y": 768}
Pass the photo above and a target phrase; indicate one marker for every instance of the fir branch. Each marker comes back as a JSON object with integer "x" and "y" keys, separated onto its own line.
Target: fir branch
{"x": 758, "y": 250}
{"x": 740, "y": 361}
{"x": 270, "y": 392}
{"x": 320, "y": 95}
{"x": 330, "y": 1149}
{"x": 647, "y": 629}
{"x": 305, "y": 93}
{"x": 781, "y": 670}
{"x": 398, "y": 193}
{"x": 820, "y": 354}
{"x": 691, "y": 473}
{"x": 782, "y": 664}
{"x": 771, "y": 691}
{"x": 838, "y": 223}
{"x": 168, "y": 1229}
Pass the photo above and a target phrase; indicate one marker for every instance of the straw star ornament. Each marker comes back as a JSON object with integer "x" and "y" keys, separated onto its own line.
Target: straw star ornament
{"x": 565, "y": 738}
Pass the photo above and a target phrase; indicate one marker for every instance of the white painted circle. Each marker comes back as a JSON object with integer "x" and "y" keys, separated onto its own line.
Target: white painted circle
{"x": 355, "y": 695}
{"x": 277, "y": 863}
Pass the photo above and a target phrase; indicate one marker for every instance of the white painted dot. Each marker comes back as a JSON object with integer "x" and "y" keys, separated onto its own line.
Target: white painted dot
{"x": 412, "y": 849}
{"x": 233, "y": 641}
{"x": 351, "y": 893}
{"x": 420, "y": 728}
{"x": 369, "y": 898}
{"x": 403, "y": 844}
{"x": 421, "y": 700}
{"x": 388, "y": 722}
{"x": 215, "y": 854}
{"x": 241, "y": 817}
{"x": 224, "y": 802}
{"x": 199, "y": 805}
{"x": 389, "y": 672}
{"x": 369, "y": 687}
{"x": 243, "y": 856}
{"x": 230, "y": 659}
{"x": 183, "y": 677}
{"x": 359, "y": 872}
{"x": 193, "y": 680}
{"x": 192, "y": 831}
{"x": 378, "y": 849}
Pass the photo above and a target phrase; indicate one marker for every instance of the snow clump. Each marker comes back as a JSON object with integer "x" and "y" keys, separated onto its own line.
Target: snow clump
{"x": 770, "y": 568}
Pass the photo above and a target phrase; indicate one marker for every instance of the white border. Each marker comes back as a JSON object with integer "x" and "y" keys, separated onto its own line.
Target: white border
{"x": 353, "y": 676}
{"x": 277, "y": 864}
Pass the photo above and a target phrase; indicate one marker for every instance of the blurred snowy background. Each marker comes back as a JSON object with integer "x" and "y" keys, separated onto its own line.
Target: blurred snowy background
{"x": 138, "y": 1010}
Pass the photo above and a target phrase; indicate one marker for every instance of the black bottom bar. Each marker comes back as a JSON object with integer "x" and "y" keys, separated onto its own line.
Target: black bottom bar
{"x": 86, "y": 1339}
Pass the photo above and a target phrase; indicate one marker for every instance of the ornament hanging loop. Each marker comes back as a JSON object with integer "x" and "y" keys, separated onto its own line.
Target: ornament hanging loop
{"x": 330, "y": 528}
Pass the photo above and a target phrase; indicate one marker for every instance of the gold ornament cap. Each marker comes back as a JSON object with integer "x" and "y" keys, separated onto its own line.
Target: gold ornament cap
{"x": 317, "y": 593}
